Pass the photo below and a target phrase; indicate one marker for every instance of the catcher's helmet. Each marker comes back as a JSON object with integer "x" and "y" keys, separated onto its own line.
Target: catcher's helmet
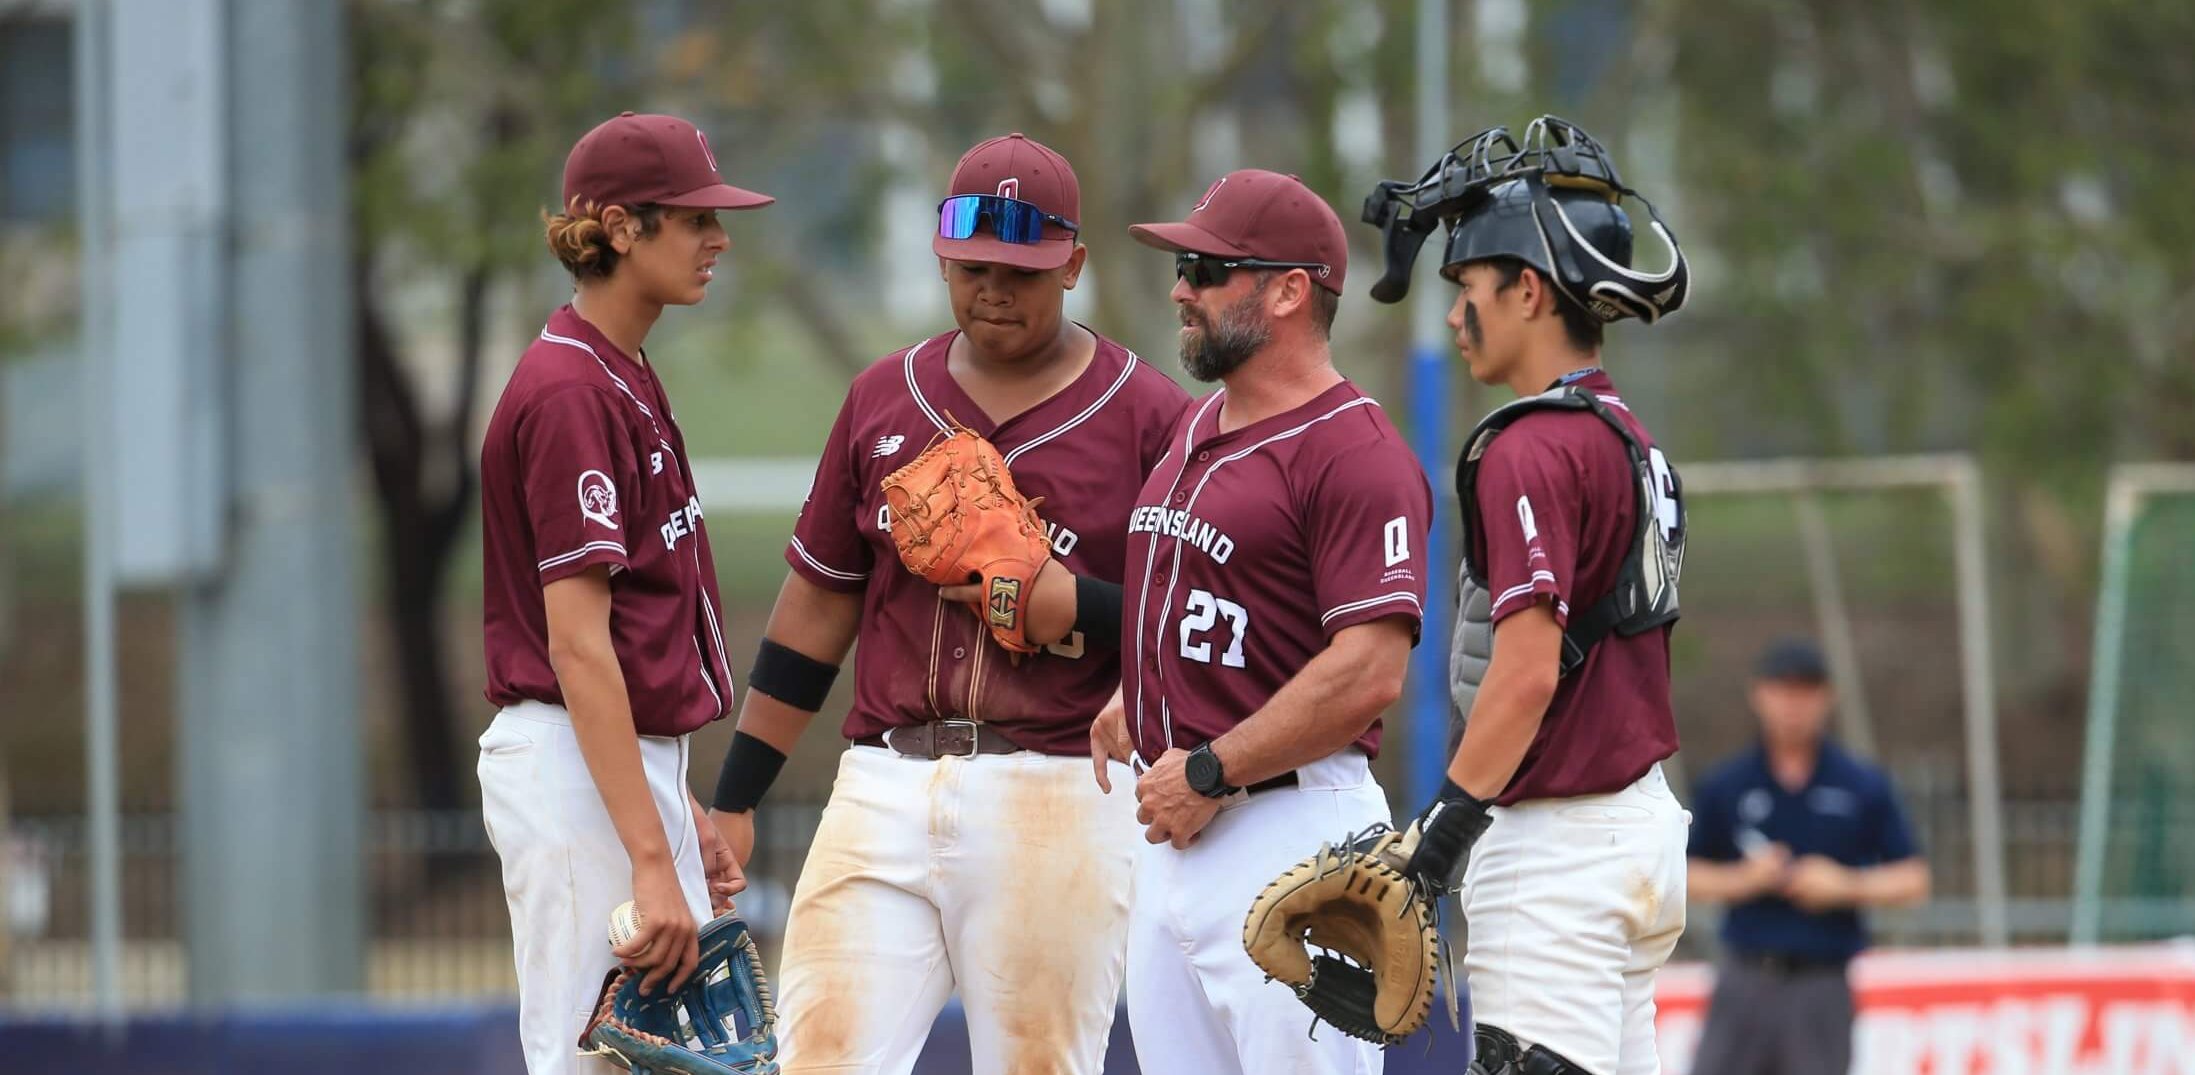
{"x": 1553, "y": 202}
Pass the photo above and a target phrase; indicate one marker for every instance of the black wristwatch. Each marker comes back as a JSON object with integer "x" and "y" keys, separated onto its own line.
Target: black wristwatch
{"x": 1205, "y": 774}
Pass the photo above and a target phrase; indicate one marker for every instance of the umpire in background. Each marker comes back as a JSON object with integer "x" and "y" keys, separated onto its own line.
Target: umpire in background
{"x": 1797, "y": 836}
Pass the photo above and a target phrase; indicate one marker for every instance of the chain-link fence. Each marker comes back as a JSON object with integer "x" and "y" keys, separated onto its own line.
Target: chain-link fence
{"x": 438, "y": 927}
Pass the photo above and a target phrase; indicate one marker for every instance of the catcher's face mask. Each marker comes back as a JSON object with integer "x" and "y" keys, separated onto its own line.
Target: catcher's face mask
{"x": 1553, "y": 201}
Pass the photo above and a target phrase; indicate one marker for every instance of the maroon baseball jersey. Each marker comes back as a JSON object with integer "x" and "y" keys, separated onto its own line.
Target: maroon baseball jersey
{"x": 919, "y": 657}
{"x": 1560, "y": 509}
{"x": 583, "y": 465}
{"x": 1249, "y": 550}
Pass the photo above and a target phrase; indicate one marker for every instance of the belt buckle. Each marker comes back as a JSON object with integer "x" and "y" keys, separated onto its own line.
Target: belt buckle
{"x": 975, "y": 740}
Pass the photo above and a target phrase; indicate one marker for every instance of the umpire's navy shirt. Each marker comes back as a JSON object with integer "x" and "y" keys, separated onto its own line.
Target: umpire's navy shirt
{"x": 1846, "y": 812}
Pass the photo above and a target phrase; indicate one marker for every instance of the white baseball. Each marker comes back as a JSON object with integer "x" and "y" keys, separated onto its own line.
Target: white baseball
{"x": 624, "y": 924}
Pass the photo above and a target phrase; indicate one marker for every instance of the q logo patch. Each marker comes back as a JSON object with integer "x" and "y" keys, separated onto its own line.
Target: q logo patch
{"x": 1209, "y": 193}
{"x": 1010, "y": 187}
{"x": 598, "y": 498}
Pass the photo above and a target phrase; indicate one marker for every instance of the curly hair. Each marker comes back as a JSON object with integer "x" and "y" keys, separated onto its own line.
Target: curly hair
{"x": 582, "y": 244}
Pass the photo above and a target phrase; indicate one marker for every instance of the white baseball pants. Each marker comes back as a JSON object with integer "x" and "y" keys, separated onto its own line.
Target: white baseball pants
{"x": 564, "y": 869}
{"x": 1196, "y": 1004}
{"x": 1573, "y": 905}
{"x": 1005, "y": 876}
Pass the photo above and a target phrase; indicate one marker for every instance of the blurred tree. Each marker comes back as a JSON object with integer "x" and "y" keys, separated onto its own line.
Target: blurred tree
{"x": 1956, "y": 224}
{"x": 462, "y": 111}
{"x": 1143, "y": 96}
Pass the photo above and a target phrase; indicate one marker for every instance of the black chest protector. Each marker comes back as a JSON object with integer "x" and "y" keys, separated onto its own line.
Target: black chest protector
{"x": 1645, "y": 594}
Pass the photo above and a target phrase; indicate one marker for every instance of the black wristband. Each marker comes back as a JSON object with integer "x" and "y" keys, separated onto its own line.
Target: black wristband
{"x": 1449, "y": 789}
{"x": 750, "y": 767}
{"x": 1097, "y": 610}
{"x": 791, "y": 677}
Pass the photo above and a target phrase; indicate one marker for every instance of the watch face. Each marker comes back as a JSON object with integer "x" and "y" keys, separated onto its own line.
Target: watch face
{"x": 1203, "y": 771}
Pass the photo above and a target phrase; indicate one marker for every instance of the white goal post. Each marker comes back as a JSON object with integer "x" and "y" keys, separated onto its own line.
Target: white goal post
{"x": 2130, "y": 485}
{"x": 1959, "y": 478}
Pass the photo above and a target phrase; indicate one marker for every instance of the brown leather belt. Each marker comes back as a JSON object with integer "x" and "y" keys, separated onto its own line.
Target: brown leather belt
{"x": 943, "y": 739}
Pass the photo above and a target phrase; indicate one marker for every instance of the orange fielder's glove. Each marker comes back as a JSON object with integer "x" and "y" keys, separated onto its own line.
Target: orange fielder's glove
{"x": 957, "y": 519}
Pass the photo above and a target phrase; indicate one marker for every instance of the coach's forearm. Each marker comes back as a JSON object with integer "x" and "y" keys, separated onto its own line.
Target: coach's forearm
{"x": 1894, "y": 884}
{"x": 1708, "y": 881}
{"x": 816, "y": 623}
{"x": 593, "y": 685}
{"x": 1324, "y": 708}
{"x": 1520, "y": 682}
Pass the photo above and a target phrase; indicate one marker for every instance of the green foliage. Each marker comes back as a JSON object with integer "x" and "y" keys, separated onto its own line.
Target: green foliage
{"x": 461, "y": 115}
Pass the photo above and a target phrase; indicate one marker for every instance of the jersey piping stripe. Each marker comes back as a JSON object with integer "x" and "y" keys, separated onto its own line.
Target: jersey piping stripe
{"x": 907, "y": 366}
{"x": 716, "y": 630}
{"x": 1173, "y": 580}
{"x": 1126, "y": 372}
{"x": 1143, "y": 591}
{"x": 819, "y": 565}
{"x": 1399, "y": 595}
{"x": 1199, "y": 490}
{"x": 707, "y": 680}
{"x": 592, "y": 546}
{"x": 607, "y": 372}
{"x": 1526, "y": 587}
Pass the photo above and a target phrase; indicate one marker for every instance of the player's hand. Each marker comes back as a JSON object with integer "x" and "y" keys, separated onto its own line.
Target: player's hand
{"x": 1050, "y": 606}
{"x": 725, "y": 877}
{"x": 1766, "y": 868}
{"x": 665, "y": 946}
{"x": 738, "y": 831}
{"x": 1172, "y": 811}
{"x": 1109, "y": 741}
{"x": 1819, "y": 883}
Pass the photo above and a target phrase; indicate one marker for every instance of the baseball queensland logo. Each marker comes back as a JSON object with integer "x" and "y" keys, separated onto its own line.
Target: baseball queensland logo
{"x": 1010, "y": 187}
{"x": 598, "y": 498}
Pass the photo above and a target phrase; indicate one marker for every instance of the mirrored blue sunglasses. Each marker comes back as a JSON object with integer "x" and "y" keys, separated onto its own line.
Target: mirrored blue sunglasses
{"x": 1012, "y": 220}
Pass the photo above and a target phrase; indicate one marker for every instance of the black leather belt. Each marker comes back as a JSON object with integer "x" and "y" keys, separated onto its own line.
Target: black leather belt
{"x": 1284, "y": 780}
{"x": 943, "y": 739}
{"x": 1788, "y": 963}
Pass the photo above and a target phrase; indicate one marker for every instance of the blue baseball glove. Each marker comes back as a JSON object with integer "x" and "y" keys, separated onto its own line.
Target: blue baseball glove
{"x": 722, "y": 1022}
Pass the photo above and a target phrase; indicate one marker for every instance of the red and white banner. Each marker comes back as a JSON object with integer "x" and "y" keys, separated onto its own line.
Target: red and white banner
{"x": 2102, "y": 1011}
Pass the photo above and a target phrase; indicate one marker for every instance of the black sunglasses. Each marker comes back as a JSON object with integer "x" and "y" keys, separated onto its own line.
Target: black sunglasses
{"x": 1203, "y": 272}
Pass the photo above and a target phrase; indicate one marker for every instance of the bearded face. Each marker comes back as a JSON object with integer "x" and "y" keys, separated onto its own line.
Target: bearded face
{"x": 1213, "y": 346}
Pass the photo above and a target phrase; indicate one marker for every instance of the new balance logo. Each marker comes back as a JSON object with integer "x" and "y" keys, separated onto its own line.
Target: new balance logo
{"x": 887, "y": 446}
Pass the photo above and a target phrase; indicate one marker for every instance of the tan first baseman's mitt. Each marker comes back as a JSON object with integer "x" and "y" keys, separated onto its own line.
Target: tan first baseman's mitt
{"x": 1355, "y": 900}
{"x": 957, "y": 519}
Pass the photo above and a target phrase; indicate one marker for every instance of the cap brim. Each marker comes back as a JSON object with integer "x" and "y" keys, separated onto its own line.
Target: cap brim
{"x": 1184, "y": 237}
{"x": 1041, "y": 256}
{"x": 717, "y": 196}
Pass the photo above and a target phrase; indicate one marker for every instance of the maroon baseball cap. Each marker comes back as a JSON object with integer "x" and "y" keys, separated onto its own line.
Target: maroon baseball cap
{"x": 1024, "y": 169}
{"x": 650, "y": 160}
{"x": 1254, "y": 213}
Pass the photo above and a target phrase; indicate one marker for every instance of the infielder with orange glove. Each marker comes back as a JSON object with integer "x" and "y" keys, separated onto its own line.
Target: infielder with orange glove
{"x": 963, "y": 847}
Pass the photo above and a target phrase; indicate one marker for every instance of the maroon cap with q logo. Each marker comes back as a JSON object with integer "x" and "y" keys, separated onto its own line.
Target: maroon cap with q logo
{"x": 650, "y": 160}
{"x": 1254, "y": 213}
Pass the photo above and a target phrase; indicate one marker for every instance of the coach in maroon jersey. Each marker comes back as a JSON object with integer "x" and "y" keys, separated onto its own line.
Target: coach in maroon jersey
{"x": 603, "y": 642}
{"x": 1276, "y": 584}
{"x": 962, "y": 848}
{"x": 1569, "y": 845}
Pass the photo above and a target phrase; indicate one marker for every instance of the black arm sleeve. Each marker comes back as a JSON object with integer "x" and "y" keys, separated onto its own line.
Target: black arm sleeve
{"x": 1097, "y": 610}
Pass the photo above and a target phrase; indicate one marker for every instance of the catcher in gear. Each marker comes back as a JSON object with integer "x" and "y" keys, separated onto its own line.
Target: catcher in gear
{"x": 721, "y": 1021}
{"x": 964, "y": 849}
{"x": 1570, "y": 843}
